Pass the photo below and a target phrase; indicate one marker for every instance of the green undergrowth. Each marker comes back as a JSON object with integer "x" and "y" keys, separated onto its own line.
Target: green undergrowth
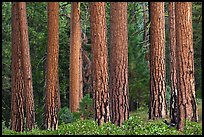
{"x": 133, "y": 126}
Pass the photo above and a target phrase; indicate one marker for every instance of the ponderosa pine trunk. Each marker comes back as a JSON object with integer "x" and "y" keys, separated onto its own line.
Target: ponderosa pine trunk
{"x": 52, "y": 85}
{"x": 26, "y": 65}
{"x": 173, "y": 77}
{"x": 100, "y": 64}
{"x": 17, "y": 88}
{"x": 187, "y": 107}
{"x": 157, "y": 108}
{"x": 118, "y": 85}
{"x": 75, "y": 59}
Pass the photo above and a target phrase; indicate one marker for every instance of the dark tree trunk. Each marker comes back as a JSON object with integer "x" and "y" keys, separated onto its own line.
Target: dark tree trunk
{"x": 119, "y": 104}
{"x": 157, "y": 62}
{"x": 100, "y": 64}
{"x": 187, "y": 107}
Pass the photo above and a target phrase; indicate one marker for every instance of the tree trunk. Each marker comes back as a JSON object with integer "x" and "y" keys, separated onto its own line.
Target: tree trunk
{"x": 17, "y": 97}
{"x": 100, "y": 65}
{"x": 173, "y": 77}
{"x": 119, "y": 105}
{"x": 27, "y": 73}
{"x": 75, "y": 54}
{"x": 187, "y": 107}
{"x": 157, "y": 62}
{"x": 52, "y": 86}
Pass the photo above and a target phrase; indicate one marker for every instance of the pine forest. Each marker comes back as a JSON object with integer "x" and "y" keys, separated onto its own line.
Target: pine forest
{"x": 101, "y": 68}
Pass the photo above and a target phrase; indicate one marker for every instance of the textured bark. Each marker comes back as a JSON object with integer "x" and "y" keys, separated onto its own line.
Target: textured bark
{"x": 26, "y": 64}
{"x": 52, "y": 85}
{"x": 17, "y": 97}
{"x": 173, "y": 77}
{"x": 119, "y": 105}
{"x": 187, "y": 107}
{"x": 100, "y": 65}
{"x": 157, "y": 62}
{"x": 75, "y": 61}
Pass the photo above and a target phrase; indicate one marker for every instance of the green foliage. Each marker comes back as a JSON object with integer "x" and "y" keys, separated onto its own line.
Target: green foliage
{"x": 133, "y": 126}
{"x": 65, "y": 116}
{"x": 3, "y": 125}
{"x": 168, "y": 95}
{"x": 193, "y": 128}
{"x": 86, "y": 107}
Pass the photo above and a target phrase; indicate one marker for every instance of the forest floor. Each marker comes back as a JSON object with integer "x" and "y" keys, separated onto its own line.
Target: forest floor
{"x": 143, "y": 112}
{"x": 137, "y": 124}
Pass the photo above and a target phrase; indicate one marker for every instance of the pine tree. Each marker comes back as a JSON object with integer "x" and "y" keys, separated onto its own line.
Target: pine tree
{"x": 157, "y": 108}
{"x": 52, "y": 81}
{"x": 26, "y": 65}
{"x": 76, "y": 88}
{"x": 187, "y": 107}
{"x": 100, "y": 64}
{"x": 119, "y": 105}
{"x": 173, "y": 77}
{"x": 17, "y": 88}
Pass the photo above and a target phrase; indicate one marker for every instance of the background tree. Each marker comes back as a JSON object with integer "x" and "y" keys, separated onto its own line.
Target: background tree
{"x": 173, "y": 77}
{"x": 138, "y": 49}
{"x": 157, "y": 108}
{"x": 187, "y": 107}
{"x": 51, "y": 107}
{"x": 118, "y": 85}
{"x": 99, "y": 58}
{"x": 26, "y": 65}
{"x": 17, "y": 99}
{"x": 75, "y": 59}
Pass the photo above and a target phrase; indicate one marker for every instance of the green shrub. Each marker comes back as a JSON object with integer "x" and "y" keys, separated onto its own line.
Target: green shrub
{"x": 76, "y": 116}
{"x": 110, "y": 129}
{"x": 158, "y": 127}
{"x": 133, "y": 126}
{"x": 80, "y": 127}
{"x": 3, "y": 125}
{"x": 65, "y": 116}
{"x": 193, "y": 128}
{"x": 86, "y": 107}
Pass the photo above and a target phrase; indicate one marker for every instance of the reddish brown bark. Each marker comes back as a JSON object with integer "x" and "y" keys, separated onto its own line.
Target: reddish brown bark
{"x": 52, "y": 85}
{"x": 26, "y": 65}
{"x": 173, "y": 77}
{"x": 157, "y": 62}
{"x": 187, "y": 107}
{"x": 76, "y": 90}
{"x": 119, "y": 105}
{"x": 100, "y": 65}
{"x": 17, "y": 99}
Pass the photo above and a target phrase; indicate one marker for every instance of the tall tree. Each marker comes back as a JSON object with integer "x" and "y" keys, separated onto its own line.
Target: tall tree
{"x": 100, "y": 65}
{"x": 119, "y": 105}
{"x": 26, "y": 65}
{"x": 75, "y": 59}
{"x": 157, "y": 108}
{"x": 173, "y": 77}
{"x": 187, "y": 107}
{"x": 52, "y": 81}
{"x": 17, "y": 88}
